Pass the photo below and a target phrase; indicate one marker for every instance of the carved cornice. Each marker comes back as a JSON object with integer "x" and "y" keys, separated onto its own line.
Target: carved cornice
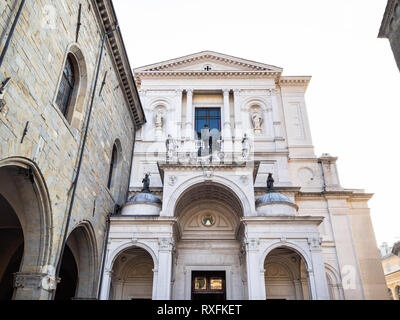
{"x": 208, "y": 55}
{"x": 293, "y": 81}
{"x": 207, "y": 74}
{"x": 315, "y": 220}
{"x": 343, "y": 194}
{"x": 106, "y": 14}
{"x": 384, "y": 31}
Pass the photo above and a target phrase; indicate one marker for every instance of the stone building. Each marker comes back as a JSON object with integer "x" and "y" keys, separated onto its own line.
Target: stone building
{"x": 390, "y": 28}
{"x": 227, "y": 197}
{"x": 391, "y": 268}
{"x": 48, "y": 78}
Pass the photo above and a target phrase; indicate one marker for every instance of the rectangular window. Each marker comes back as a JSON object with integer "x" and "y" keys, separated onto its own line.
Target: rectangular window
{"x": 209, "y": 116}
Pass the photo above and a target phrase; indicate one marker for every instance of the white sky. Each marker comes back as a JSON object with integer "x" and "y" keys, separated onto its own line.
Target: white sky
{"x": 352, "y": 102}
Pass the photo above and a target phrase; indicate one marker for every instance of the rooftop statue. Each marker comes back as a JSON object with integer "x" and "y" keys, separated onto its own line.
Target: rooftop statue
{"x": 270, "y": 183}
{"x": 146, "y": 183}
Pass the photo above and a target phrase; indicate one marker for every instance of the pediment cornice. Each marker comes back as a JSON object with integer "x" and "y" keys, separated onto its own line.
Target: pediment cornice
{"x": 207, "y": 74}
{"x": 208, "y": 56}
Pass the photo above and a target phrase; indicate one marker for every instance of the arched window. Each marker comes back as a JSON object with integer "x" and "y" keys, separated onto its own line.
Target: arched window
{"x": 113, "y": 166}
{"x": 66, "y": 87}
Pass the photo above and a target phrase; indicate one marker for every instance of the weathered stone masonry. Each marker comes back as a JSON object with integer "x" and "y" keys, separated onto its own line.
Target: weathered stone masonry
{"x": 35, "y": 61}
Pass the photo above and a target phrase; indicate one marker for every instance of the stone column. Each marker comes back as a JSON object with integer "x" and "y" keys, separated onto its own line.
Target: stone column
{"x": 164, "y": 269}
{"x": 105, "y": 287}
{"x": 155, "y": 279}
{"x": 178, "y": 113}
{"x": 311, "y": 284}
{"x": 255, "y": 275}
{"x": 227, "y": 115}
{"x": 238, "y": 133}
{"x": 320, "y": 286}
{"x": 189, "y": 114}
{"x": 227, "y": 137}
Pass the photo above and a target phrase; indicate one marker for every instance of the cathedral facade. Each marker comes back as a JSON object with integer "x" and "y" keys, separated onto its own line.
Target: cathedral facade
{"x": 193, "y": 178}
{"x": 227, "y": 197}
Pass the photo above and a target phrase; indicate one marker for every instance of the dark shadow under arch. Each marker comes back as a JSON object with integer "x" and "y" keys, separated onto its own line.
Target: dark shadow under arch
{"x": 81, "y": 253}
{"x": 24, "y": 193}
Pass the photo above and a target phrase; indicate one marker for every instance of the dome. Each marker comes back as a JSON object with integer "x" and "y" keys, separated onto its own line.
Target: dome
{"x": 274, "y": 204}
{"x": 273, "y": 197}
{"x": 144, "y": 198}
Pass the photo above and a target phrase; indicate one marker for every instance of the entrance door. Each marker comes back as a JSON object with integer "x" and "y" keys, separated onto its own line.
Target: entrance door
{"x": 208, "y": 285}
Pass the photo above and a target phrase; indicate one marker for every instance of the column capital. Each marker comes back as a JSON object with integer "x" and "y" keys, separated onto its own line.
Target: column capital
{"x": 35, "y": 280}
{"x": 189, "y": 91}
{"x": 226, "y": 91}
{"x": 272, "y": 92}
{"x": 109, "y": 272}
{"x": 166, "y": 244}
{"x": 314, "y": 243}
{"x": 251, "y": 244}
{"x": 178, "y": 91}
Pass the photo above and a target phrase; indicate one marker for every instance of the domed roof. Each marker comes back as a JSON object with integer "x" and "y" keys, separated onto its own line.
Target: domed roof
{"x": 144, "y": 197}
{"x": 273, "y": 197}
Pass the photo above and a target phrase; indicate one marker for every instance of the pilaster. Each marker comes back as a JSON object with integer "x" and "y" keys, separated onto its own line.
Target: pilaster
{"x": 255, "y": 276}
{"x": 164, "y": 276}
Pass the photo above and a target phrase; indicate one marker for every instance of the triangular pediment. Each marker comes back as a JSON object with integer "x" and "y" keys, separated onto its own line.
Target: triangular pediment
{"x": 208, "y": 61}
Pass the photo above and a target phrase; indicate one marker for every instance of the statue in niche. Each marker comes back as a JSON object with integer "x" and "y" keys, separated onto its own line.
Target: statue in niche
{"x": 170, "y": 146}
{"x": 257, "y": 121}
{"x": 245, "y": 147}
{"x": 146, "y": 183}
{"x": 159, "y": 120}
{"x": 270, "y": 182}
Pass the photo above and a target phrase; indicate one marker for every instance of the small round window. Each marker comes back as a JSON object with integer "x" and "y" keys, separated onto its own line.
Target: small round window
{"x": 208, "y": 220}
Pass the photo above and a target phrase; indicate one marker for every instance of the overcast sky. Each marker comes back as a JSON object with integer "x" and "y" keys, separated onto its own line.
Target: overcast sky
{"x": 353, "y": 100}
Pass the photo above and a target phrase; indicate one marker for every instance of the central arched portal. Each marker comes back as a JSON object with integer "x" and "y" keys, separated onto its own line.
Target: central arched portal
{"x": 207, "y": 263}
